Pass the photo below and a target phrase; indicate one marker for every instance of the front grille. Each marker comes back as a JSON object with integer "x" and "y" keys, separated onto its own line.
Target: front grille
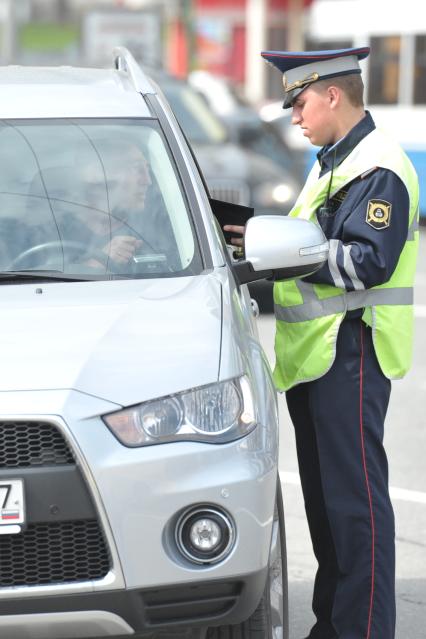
{"x": 229, "y": 191}
{"x": 53, "y": 553}
{"x": 24, "y": 444}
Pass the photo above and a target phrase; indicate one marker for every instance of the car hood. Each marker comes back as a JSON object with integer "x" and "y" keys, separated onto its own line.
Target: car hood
{"x": 123, "y": 341}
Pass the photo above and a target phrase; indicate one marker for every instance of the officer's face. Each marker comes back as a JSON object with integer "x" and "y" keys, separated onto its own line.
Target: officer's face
{"x": 313, "y": 112}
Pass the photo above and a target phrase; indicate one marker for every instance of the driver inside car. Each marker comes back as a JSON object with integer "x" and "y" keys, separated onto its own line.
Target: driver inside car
{"x": 106, "y": 221}
{"x": 103, "y": 212}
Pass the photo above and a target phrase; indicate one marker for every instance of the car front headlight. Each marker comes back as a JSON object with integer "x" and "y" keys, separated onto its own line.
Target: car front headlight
{"x": 217, "y": 413}
{"x": 273, "y": 194}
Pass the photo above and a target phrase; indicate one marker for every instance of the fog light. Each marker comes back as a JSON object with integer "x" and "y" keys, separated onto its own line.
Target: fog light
{"x": 205, "y": 535}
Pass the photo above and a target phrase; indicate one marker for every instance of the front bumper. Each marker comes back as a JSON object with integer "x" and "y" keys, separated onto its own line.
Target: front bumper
{"x": 136, "y": 496}
{"x": 177, "y": 609}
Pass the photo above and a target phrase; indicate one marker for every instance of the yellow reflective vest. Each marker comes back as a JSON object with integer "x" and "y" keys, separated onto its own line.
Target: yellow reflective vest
{"x": 309, "y": 315}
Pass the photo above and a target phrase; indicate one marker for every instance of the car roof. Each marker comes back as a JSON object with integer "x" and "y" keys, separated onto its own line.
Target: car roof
{"x": 56, "y": 92}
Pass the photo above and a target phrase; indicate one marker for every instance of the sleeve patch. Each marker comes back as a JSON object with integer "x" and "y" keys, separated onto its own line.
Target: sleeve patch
{"x": 378, "y": 214}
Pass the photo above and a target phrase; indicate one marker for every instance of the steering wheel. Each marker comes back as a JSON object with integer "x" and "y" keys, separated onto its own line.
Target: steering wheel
{"x": 54, "y": 245}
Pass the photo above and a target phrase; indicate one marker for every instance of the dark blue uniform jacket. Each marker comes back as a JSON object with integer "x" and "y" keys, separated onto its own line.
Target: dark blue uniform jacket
{"x": 366, "y": 222}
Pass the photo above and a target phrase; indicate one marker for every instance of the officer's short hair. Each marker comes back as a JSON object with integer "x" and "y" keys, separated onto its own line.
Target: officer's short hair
{"x": 352, "y": 85}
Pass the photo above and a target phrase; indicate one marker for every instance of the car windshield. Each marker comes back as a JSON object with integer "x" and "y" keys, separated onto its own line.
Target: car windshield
{"x": 199, "y": 123}
{"x": 97, "y": 197}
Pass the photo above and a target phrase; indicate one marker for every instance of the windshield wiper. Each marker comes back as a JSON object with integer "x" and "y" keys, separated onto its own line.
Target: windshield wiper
{"x": 55, "y": 276}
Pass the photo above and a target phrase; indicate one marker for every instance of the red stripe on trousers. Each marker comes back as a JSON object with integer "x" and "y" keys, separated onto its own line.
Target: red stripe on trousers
{"x": 370, "y": 501}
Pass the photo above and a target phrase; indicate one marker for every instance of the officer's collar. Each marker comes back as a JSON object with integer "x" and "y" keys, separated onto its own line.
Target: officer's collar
{"x": 336, "y": 153}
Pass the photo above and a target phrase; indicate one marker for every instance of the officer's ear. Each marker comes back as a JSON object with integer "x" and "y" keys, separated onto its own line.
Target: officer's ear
{"x": 334, "y": 95}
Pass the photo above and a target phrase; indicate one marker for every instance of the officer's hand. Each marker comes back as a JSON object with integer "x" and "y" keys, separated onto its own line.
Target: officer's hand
{"x": 233, "y": 228}
{"x": 122, "y": 248}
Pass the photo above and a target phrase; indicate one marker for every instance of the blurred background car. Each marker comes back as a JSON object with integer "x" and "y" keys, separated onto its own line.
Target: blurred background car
{"x": 279, "y": 119}
{"x": 247, "y": 127}
{"x": 232, "y": 172}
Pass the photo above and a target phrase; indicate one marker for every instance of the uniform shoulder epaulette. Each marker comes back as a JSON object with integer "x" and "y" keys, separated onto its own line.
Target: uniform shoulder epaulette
{"x": 369, "y": 172}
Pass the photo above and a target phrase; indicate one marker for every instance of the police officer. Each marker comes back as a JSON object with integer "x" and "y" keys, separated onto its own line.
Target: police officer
{"x": 343, "y": 333}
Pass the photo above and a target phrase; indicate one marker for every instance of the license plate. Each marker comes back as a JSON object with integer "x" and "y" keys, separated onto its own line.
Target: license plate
{"x": 12, "y": 507}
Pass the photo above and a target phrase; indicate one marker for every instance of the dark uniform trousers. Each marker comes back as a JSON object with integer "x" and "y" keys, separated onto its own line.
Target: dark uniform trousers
{"x": 339, "y": 422}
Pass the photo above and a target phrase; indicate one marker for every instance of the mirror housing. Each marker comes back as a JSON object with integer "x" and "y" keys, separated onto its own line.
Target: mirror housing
{"x": 281, "y": 248}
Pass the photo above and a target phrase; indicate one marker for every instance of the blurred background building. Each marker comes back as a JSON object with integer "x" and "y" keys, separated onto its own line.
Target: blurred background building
{"x": 224, "y": 37}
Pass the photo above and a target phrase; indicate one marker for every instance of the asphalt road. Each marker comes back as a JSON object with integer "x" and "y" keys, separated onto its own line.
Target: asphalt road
{"x": 405, "y": 441}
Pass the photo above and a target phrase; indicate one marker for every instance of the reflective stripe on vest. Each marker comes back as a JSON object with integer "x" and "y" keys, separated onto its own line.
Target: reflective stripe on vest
{"x": 414, "y": 226}
{"x": 313, "y": 308}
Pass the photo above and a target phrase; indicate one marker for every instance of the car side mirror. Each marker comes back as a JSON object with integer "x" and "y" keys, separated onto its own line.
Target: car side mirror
{"x": 280, "y": 248}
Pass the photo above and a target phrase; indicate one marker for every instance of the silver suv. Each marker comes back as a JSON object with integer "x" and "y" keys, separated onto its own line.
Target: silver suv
{"x": 138, "y": 420}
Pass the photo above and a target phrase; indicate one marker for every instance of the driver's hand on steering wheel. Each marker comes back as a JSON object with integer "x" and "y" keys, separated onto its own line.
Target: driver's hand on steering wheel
{"x": 122, "y": 248}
